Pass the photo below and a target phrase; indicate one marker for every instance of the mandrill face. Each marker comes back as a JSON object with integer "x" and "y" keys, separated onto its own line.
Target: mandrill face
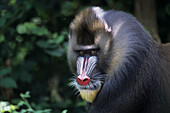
{"x": 88, "y": 79}
{"x": 88, "y": 47}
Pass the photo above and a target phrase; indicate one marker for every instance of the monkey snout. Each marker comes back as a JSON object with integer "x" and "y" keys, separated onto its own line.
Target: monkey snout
{"x": 83, "y": 81}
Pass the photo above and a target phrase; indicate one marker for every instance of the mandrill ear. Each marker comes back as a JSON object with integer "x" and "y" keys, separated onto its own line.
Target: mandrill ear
{"x": 100, "y": 13}
{"x": 107, "y": 28}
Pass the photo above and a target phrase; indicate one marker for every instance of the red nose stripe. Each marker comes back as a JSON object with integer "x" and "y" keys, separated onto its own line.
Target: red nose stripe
{"x": 85, "y": 63}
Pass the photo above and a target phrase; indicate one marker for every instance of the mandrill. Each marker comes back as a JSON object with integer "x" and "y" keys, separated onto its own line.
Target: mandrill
{"x": 118, "y": 67}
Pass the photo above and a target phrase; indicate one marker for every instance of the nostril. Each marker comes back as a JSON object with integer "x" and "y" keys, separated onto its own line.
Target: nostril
{"x": 86, "y": 80}
{"x": 79, "y": 80}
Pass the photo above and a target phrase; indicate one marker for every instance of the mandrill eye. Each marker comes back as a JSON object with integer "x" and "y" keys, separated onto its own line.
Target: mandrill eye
{"x": 93, "y": 52}
{"x": 81, "y": 52}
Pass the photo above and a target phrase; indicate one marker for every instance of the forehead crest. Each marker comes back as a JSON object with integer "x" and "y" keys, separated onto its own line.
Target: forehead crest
{"x": 87, "y": 23}
{"x": 92, "y": 18}
{"x": 88, "y": 18}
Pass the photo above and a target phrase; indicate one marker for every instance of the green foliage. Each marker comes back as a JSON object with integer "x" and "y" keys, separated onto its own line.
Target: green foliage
{"x": 2, "y": 21}
{"x": 5, "y": 71}
{"x": 8, "y": 82}
{"x": 33, "y": 45}
{"x": 2, "y": 38}
{"x": 5, "y": 106}
{"x": 29, "y": 109}
{"x": 31, "y": 28}
{"x": 68, "y": 8}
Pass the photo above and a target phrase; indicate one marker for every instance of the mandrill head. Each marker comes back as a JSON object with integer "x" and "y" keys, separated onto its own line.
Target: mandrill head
{"x": 89, "y": 43}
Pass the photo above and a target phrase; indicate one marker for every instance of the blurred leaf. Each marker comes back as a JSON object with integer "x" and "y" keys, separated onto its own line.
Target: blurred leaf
{"x": 15, "y": 100}
{"x": 36, "y": 20}
{"x": 167, "y": 8}
{"x": 29, "y": 45}
{"x": 43, "y": 111}
{"x": 5, "y": 71}
{"x": 20, "y": 103}
{"x": 110, "y": 2}
{"x": 69, "y": 7}
{"x": 64, "y": 111}
{"x": 19, "y": 38}
{"x": 57, "y": 41}
{"x": 28, "y": 65}
{"x": 28, "y": 110}
{"x": 26, "y": 95}
{"x": 56, "y": 53}
{"x": 25, "y": 77}
{"x": 55, "y": 35}
{"x": 81, "y": 103}
{"x": 12, "y": 45}
{"x": 8, "y": 82}
{"x": 28, "y": 4}
{"x": 40, "y": 9}
{"x": 60, "y": 39}
{"x": 12, "y": 2}
{"x": 21, "y": 29}
{"x": 2, "y": 21}
{"x": 21, "y": 54}
{"x": 32, "y": 28}
{"x": 40, "y": 31}
{"x": 2, "y": 38}
{"x": 65, "y": 46}
{"x": 43, "y": 44}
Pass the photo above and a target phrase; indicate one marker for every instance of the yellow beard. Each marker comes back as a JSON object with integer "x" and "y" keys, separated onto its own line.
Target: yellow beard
{"x": 89, "y": 95}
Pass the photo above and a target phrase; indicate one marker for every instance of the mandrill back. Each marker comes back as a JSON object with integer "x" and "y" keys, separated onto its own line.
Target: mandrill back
{"x": 118, "y": 67}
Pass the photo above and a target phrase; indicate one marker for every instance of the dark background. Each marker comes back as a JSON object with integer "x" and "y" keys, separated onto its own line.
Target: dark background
{"x": 34, "y": 41}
